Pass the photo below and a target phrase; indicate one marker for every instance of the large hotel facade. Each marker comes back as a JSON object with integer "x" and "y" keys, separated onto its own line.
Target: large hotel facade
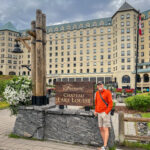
{"x": 101, "y": 49}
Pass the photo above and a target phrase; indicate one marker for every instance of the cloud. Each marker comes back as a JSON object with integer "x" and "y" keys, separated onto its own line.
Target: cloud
{"x": 22, "y": 12}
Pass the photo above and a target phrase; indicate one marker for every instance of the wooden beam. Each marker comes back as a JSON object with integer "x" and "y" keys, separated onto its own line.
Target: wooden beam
{"x": 23, "y": 38}
{"x": 31, "y": 33}
{"x": 25, "y": 44}
{"x": 137, "y": 119}
{"x": 138, "y": 138}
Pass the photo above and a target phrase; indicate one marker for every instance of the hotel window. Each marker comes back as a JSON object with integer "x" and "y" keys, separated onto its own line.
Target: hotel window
{"x": 94, "y": 51}
{"x": 128, "y": 16}
{"x": 68, "y": 46}
{"x": 81, "y": 58}
{"x": 88, "y": 64}
{"x": 74, "y": 52}
{"x": 81, "y": 70}
{"x": 50, "y": 66}
{"x": 94, "y": 44}
{"x": 62, "y": 71}
{"x": 109, "y": 36}
{"x": 128, "y": 45}
{"x": 88, "y": 51}
{"x": 122, "y": 24}
{"x": 56, "y": 36}
{"x": 50, "y": 71}
{"x": 62, "y": 53}
{"x": 122, "y": 31}
{"x": 74, "y": 70}
{"x": 62, "y": 47}
{"x": 68, "y": 59}
{"x": 74, "y": 40}
{"x": 101, "y": 63}
{"x": 81, "y": 51}
{"x": 68, "y": 53}
{"x": 94, "y": 70}
{"x": 62, "y": 59}
{"x": 81, "y": 39}
{"x": 142, "y": 53}
{"x": 122, "y": 60}
{"x": 62, "y": 41}
{"x": 74, "y": 46}
{"x": 109, "y": 43}
{"x": 109, "y": 62}
{"x": 122, "y": 45}
{"x": 74, "y": 33}
{"x": 62, "y": 35}
{"x": 94, "y": 31}
{"x": 122, "y": 53}
{"x": 128, "y": 60}
{"x": 87, "y": 38}
{"x": 50, "y": 60}
{"x": 109, "y": 56}
{"x": 68, "y": 65}
{"x": 122, "y": 38}
{"x": 87, "y": 70}
{"x": 50, "y": 54}
{"x": 56, "y": 42}
{"x": 94, "y": 63}
{"x": 87, "y": 58}
{"x": 101, "y": 37}
{"x": 68, "y": 71}
{"x": 74, "y": 58}
{"x": 128, "y": 23}
{"x": 88, "y": 45}
{"x": 142, "y": 46}
{"x": 68, "y": 40}
{"x": 128, "y": 30}
{"x": 128, "y": 38}
{"x": 142, "y": 32}
{"x": 81, "y": 45}
{"x": 81, "y": 64}
{"x": 56, "y": 48}
{"x": 102, "y": 70}
{"x": 101, "y": 31}
{"x": 101, "y": 57}
{"x": 128, "y": 67}
{"x": 50, "y": 42}
{"x": 109, "y": 69}
{"x": 101, "y": 44}
{"x": 56, "y": 66}
{"x": 94, "y": 37}
{"x": 109, "y": 50}
{"x": 122, "y": 67}
{"x": 108, "y": 30}
{"x": 94, "y": 57}
{"x": 142, "y": 25}
{"x": 102, "y": 50}
{"x": 56, "y": 71}
{"x": 122, "y": 16}
{"x": 87, "y": 32}
{"x": 81, "y": 32}
{"x": 68, "y": 34}
{"x": 74, "y": 65}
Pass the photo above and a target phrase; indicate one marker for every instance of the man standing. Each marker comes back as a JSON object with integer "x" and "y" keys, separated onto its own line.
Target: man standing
{"x": 103, "y": 112}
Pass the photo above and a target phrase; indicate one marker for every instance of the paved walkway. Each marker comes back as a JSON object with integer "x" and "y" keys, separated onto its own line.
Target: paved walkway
{"x": 6, "y": 143}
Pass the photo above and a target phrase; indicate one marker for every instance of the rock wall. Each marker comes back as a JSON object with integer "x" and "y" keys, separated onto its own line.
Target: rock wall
{"x": 73, "y": 126}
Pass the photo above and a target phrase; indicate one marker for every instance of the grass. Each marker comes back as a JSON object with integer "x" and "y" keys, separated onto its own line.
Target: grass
{"x": 136, "y": 145}
{"x": 3, "y": 105}
{"x": 12, "y": 135}
{"x": 146, "y": 115}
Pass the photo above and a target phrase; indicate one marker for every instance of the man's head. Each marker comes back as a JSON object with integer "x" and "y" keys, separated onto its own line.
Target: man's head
{"x": 100, "y": 85}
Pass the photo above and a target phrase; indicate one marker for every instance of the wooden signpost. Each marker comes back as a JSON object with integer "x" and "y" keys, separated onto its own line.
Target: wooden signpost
{"x": 74, "y": 93}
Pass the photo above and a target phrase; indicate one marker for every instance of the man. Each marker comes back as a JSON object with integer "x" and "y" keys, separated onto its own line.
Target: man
{"x": 103, "y": 112}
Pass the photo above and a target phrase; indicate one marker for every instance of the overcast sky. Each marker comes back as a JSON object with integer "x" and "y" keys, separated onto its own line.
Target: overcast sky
{"x": 22, "y": 12}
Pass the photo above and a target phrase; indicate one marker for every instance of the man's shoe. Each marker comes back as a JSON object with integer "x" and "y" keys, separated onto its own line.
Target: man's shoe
{"x": 104, "y": 148}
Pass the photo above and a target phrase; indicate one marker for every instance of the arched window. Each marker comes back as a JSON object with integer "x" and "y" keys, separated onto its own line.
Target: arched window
{"x": 23, "y": 73}
{"x": 126, "y": 79}
{"x": 138, "y": 78}
{"x": 12, "y": 73}
{"x": 49, "y": 81}
{"x": 54, "y": 81}
{"x": 146, "y": 78}
{"x": 1, "y": 73}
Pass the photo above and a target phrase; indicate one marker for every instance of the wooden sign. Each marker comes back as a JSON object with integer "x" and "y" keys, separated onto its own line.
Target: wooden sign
{"x": 74, "y": 93}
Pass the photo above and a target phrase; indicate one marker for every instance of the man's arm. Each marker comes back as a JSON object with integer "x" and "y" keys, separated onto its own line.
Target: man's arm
{"x": 110, "y": 102}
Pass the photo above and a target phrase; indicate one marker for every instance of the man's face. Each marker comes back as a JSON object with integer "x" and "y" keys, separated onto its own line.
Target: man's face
{"x": 100, "y": 87}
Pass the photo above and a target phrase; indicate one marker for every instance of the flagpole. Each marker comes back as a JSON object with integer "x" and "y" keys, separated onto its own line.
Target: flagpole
{"x": 137, "y": 53}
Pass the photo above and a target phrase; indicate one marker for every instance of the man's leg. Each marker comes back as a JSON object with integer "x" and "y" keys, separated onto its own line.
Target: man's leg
{"x": 102, "y": 132}
{"x": 106, "y": 135}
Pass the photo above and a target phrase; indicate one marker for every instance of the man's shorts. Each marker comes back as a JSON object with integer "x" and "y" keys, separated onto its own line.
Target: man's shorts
{"x": 104, "y": 120}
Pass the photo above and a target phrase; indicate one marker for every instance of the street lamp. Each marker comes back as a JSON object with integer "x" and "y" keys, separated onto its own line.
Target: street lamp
{"x": 17, "y": 48}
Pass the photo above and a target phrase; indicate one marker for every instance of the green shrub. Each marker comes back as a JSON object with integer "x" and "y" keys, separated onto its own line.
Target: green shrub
{"x": 138, "y": 102}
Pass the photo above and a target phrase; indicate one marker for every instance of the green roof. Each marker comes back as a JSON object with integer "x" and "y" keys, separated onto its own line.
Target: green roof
{"x": 9, "y": 26}
{"x": 80, "y": 25}
{"x": 146, "y": 13}
{"x": 144, "y": 64}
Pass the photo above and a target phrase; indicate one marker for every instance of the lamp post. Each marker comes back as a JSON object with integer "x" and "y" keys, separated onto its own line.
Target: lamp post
{"x": 38, "y": 57}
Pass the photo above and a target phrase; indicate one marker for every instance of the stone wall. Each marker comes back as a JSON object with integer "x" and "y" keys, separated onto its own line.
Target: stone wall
{"x": 73, "y": 126}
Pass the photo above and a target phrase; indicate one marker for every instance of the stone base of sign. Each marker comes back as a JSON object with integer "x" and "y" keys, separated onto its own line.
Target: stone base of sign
{"x": 73, "y": 126}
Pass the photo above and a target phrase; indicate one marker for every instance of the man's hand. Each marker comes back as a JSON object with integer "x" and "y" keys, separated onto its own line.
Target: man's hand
{"x": 95, "y": 113}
